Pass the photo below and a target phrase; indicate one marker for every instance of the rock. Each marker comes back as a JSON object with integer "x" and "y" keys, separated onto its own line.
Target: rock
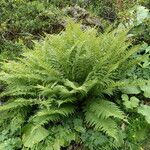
{"x": 81, "y": 15}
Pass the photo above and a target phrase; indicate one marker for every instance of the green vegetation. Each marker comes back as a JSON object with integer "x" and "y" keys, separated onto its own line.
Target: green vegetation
{"x": 27, "y": 22}
{"x": 75, "y": 75}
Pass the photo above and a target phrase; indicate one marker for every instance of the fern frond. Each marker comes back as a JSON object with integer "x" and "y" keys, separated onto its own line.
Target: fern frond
{"x": 105, "y": 109}
{"x": 18, "y": 103}
{"x": 32, "y": 135}
{"x": 107, "y": 126}
{"x": 98, "y": 113}
{"x": 52, "y": 114}
{"x": 125, "y": 83}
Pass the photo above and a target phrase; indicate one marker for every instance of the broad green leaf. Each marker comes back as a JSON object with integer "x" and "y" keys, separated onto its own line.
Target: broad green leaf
{"x": 146, "y": 64}
{"x": 147, "y": 49}
{"x": 131, "y": 90}
{"x": 146, "y": 90}
{"x": 5, "y": 146}
{"x": 125, "y": 97}
{"x": 130, "y": 104}
{"x": 134, "y": 101}
{"x": 56, "y": 145}
{"x": 145, "y": 111}
{"x": 142, "y": 13}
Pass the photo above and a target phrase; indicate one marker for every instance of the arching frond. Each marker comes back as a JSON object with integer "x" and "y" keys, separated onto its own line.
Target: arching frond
{"x": 99, "y": 113}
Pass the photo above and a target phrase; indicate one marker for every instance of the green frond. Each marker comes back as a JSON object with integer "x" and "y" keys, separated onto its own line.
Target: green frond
{"x": 105, "y": 109}
{"x": 62, "y": 111}
{"x": 32, "y": 135}
{"x": 99, "y": 113}
{"x": 121, "y": 84}
{"x": 107, "y": 125}
{"x": 45, "y": 119}
{"x": 18, "y": 103}
{"x": 52, "y": 114}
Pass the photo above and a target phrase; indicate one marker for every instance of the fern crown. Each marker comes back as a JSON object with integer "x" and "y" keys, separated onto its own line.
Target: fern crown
{"x": 76, "y": 67}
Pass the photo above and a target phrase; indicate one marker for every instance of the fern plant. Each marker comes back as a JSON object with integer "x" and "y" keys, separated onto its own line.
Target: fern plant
{"x": 73, "y": 72}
